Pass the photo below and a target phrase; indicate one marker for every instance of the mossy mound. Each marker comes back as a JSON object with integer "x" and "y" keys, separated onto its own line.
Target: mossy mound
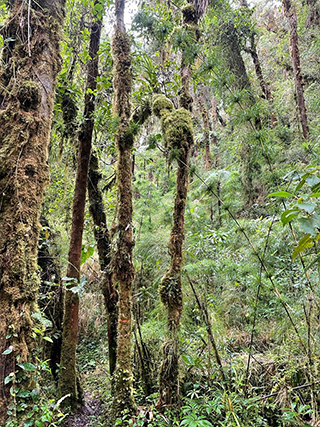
{"x": 161, "y": 105}
{"x": 29, "y": 95}
{"x": 178, "y": 128}
{"x": 176, "y": 124}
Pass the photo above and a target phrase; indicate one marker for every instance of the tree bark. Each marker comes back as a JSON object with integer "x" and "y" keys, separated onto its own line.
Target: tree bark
{"x": 68, "y": 374}
{"x": 122, "y": 264}
{"x": 103, "y": 241}
{"x": 252, "y": 50}
{"x": 27, "y": 88}
{"x": 291, "y": 16}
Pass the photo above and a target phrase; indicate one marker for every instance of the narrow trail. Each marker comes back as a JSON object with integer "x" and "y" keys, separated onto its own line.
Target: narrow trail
{"x": 87, "y": 414}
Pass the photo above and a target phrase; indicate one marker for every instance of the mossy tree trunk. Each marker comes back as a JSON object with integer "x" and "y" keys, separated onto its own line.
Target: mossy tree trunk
{"x": 178, "y": 133}
{"x": 31, "y": 62}
{"x": 68, "y": 374}
{"x": 291, "y": 16}
{"x": 171, "y": 290}
{"x": 122, "y": 265}
{"x": 103, "y": 241}
{"x": 240, "y": 83}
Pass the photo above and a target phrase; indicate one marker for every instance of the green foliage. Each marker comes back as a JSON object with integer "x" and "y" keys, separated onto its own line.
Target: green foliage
{"x": 254, "y": 144}
{"x": 303, "y": 203}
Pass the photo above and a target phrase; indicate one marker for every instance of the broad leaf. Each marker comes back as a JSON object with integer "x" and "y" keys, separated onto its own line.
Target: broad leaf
{"x": 288, "y": 215}
{"x": 281, "y": 194}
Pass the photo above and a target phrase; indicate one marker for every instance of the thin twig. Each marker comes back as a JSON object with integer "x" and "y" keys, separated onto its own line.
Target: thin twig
{"x": 29, "y": 27}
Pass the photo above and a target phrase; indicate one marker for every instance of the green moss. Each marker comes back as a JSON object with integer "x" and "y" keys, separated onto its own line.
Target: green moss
{"x": 177, "y": 127}
{"x": 161, "y": 105}
{"x": 176, "y": 124}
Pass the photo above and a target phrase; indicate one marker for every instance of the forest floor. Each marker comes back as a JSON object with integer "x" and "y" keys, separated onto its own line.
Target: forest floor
{"x": 87, "y": 414}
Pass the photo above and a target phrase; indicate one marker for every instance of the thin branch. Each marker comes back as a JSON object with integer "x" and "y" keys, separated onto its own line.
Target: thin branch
{"x": 29, "y": 27}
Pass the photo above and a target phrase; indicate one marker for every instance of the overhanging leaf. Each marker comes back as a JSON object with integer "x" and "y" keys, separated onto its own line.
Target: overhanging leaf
{"x": 288, "y": 215}
{"x": 281, "y": 194}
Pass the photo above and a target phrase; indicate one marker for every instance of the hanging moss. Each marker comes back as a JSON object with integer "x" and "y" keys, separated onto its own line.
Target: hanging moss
{"x": 169, "y": 372}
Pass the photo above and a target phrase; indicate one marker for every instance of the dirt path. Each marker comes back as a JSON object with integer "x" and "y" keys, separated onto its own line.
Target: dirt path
{"x": 87, "y": 414}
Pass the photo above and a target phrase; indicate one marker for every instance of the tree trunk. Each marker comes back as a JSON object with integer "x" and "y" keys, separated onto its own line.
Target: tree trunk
{"x": 27, "y": 89}
{"x": 231, "y": 52}
{"x": 68, "y": 374}
{"x": 171, "y": 290}
{"x": 122, "y": 265}
{"x": 291, "y": 15}
{"x": 206, "y": 130}
{"x": 104, "y": 250}
{"x": 257, "y": 66}
{"x": 52, "y": 305}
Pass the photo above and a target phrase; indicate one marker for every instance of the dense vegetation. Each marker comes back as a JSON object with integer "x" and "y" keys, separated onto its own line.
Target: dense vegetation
{"x": 195, "y": 127}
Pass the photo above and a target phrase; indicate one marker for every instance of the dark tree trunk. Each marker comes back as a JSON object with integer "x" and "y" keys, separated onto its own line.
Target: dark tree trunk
{"x": 52, "y": 304}
{"x": 231, "y": 52}
{"x": 206, "y": 131}
{"x": 252, "y": 50}
{"x": 68, "y": 374}
{"x": 122, "y": 265}
{"x": 27, "y": 90}
{"x": 291, "y": 16}
{"x": 102, "y": 237}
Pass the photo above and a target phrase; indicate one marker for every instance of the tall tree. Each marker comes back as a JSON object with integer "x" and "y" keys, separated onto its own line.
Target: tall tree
{"x": 68, "y": 374}
{"x": 252, "y": 50}
{"x": 178, "y": 133}
{"x": 291, "y": 15}
{"x": 31, "y": 62}
{"x": 103, "y": 241}
{"x": 122, "y": 265}
{"x": 239, "y": 86}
